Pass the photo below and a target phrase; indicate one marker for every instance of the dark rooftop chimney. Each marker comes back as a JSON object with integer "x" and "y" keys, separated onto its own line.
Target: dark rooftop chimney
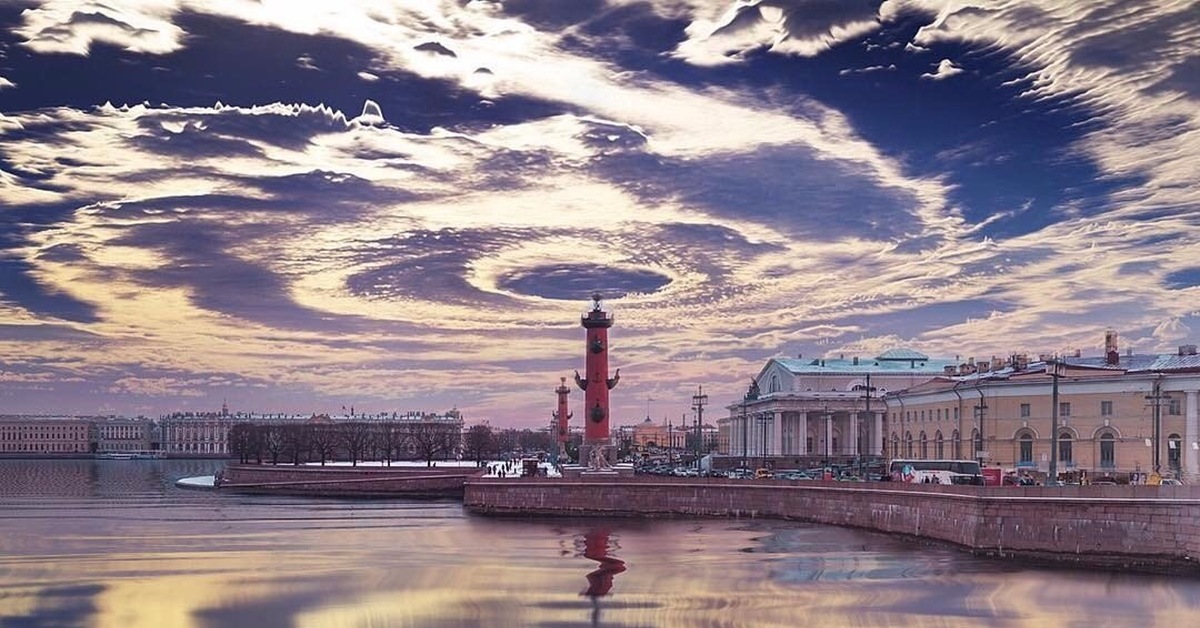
{"x": 1112, "y": 356}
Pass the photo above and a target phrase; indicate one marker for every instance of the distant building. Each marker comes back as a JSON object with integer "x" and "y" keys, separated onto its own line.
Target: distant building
{"x": 45, "y": 436}
{"x": 124, "y": 435}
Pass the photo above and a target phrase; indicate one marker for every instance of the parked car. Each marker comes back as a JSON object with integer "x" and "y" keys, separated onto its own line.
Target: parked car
{"x": 1171, "y": 482}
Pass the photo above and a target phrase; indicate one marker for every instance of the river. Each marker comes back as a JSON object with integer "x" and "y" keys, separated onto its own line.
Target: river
{"x": 116, "y": 544}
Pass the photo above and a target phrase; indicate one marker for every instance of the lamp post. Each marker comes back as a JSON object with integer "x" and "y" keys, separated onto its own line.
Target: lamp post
{"x": 745, "y": 435}
{"x": 980, "y": 414}
{"x": 1052, "y": 475}
{"x": 670, "y": 444}
{"x": 1156, "y": 398}
{"x": 699, "y": 400}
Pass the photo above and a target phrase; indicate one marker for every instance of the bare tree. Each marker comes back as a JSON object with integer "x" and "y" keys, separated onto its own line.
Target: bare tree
{"x": 478, "y": 443}
{"x": 390, "y": 439}
{"x": 273, "y": 441}
{"x": 323, "y": 440}
{"x": 297, "y": 439}
{"x": 242, "y": 437}
{"x": 356, "y": 438}
{"x": 433, "y": 441}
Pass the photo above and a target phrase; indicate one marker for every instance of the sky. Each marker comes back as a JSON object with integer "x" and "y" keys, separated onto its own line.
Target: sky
{"x": 302, "y": 205}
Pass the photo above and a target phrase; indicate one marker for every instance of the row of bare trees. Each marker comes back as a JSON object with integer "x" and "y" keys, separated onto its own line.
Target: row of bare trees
{"x": 354, "y": 441}
{"x": 385, "y": 441}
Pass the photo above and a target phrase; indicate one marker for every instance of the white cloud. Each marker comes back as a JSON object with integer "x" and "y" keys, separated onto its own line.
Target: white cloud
{"x": 945, "y": 70}
{"x": 6, "y": 84}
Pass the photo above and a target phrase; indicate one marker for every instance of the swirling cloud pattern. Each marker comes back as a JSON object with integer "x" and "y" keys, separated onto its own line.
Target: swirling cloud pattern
{"x": 299, "y": 206}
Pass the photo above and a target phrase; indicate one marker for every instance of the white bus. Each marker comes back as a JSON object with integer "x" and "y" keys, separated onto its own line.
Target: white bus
{"x": 936, "y": 471}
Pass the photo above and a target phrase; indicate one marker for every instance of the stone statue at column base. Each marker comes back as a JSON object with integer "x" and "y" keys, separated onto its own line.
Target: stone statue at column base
{"x": 598, "y": 458}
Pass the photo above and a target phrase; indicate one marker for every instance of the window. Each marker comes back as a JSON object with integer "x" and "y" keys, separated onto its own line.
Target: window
{"x": 908, "y": 444}
{"x": 924, "y": 447}
{"x": 977, "y": 439}
{"x": 1025, "y": 411}
{"x": 956, "y": 414}
{"x": 939, "y": 445}
{"x": 957, "y": 445}
{"x": 1108, "y": 455}
{"x": 1025, "y": 459}
{"x": 895, "y": 446}
{"x": 1174, "y": 407}
{"x": 1065, "y": 450}
{"x": 1105, "y": 408}
{"x": 939, "y": 417}
{"x": 1064, "y": 408}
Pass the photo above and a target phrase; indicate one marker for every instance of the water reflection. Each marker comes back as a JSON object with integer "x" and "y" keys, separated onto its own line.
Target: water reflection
{"x": 596, "y": 545}
{"x": 114, "y": 543}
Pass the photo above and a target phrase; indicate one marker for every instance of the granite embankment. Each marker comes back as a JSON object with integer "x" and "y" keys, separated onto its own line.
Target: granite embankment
{"x": 342, "y": 481}
{"x": 1135, "y": 528}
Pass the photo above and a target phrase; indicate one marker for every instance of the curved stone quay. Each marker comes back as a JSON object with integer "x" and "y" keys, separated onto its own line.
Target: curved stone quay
{"x": 344, "y": 481}
{"x": 1120, "y": 528}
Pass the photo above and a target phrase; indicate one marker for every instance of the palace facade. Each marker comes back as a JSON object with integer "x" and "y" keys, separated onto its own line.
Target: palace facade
{"x": 1117, "y": 415}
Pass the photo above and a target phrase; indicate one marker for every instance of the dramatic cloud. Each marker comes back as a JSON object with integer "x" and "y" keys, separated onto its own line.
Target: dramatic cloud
{"x": 406, "y": 205}
{"x": 945, "y": 70}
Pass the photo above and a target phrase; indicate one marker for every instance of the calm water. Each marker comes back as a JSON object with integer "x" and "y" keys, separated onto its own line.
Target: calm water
{"x": 114, "y": 543}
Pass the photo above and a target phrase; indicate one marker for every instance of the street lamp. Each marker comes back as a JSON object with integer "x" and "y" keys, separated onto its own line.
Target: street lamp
{"x": 1052, "y": 479}
{"x": 699, "y": 400}
{"x": 980, "y": 414}
{"x": 745, "y": 435}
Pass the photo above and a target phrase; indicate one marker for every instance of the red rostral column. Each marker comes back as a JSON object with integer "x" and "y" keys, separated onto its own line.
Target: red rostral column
{"x": 598, "y": 383}
{"x": 562, "y": 416}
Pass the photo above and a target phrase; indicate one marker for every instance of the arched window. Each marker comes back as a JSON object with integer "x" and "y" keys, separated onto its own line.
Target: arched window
{"x": 939, "y": 446}
{"x": 908, "y": 445}
{"x": 1025, "y": 449}
{"x": 1108, "y": 451}
{"x": 1174, "y": 452}
{"x": 957, "y": 445}
{"x": 977, "y": 443}
{"x": 774, "y": 383}
{"x": 924, "y": 447}
{"x": 1066, "y": 449}
{"x": 895, "y": 445}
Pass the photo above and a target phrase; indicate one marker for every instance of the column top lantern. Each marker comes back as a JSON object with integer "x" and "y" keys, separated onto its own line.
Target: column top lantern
{"x": 597, "y": 317}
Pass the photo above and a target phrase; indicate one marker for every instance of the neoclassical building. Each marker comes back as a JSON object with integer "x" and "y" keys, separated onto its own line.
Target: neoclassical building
{"x": 1121, "y": 416}
{"x": 800, "y": 412}
{"x": 1117, "y": 415}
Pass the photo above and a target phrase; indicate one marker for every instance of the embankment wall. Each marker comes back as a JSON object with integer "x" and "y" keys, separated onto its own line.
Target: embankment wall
{"x": 347, "y": 481}
{"x": 1142, "y": 528}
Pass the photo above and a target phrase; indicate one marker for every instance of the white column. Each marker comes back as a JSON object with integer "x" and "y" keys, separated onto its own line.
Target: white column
{"x": 777, "y": 434}
{"x": 853, "y": 433}
{"x": 1191, "y": 438}
{"x": 828, "y": 434}
{"x": 802, "y": 436}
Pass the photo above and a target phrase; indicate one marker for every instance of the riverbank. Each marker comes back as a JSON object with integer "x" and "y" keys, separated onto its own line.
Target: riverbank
{"x": 1126, "y": 528}
{"x": 348, "y": 481}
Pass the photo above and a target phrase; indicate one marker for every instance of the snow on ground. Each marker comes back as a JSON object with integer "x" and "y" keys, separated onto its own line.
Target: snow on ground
{"x": 200, "y": 481}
